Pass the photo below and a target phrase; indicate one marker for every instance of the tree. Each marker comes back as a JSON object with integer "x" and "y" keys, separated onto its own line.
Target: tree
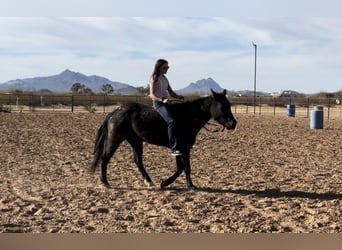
{"x": 338, "y": 94}
{"x": 144, "y": 90}
{"x": 107, "y": 88}
{"x": 87, "y": 91}
{"x": 77, "y": 88}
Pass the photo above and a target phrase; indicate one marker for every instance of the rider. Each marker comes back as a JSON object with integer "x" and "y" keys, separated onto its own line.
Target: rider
{"x": 160, "y": 91}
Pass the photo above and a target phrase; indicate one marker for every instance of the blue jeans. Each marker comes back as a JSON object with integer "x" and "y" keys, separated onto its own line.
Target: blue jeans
{"x": 163, "y": 110}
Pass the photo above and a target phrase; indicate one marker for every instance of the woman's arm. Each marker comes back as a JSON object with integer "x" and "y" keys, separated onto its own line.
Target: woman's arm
{"x": 173, "y": 94}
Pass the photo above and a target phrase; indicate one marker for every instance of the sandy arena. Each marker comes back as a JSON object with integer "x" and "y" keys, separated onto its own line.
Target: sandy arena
{"x": 273, "y": 174}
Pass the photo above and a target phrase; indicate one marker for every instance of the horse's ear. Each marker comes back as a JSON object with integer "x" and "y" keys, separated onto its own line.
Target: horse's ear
{"x": 213, "y": 92}
{"x": 216, "y": 94}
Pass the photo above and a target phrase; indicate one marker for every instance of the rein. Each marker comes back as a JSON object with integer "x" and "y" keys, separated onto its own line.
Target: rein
{"x": 199, "y": 141}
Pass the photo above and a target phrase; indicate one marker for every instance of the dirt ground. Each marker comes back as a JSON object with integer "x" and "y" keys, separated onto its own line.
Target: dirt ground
{"x": 273, "y": 174}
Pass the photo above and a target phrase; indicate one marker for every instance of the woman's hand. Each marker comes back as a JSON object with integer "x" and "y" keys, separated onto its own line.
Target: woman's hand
{"x": 180, "y": 97}
{"x": 165, "y": 99}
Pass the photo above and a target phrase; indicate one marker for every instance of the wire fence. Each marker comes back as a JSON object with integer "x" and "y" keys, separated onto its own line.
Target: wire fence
{"x": 280, "y": 106}
{"x": 66, "y": 102}
{"x": 106, "y": 103}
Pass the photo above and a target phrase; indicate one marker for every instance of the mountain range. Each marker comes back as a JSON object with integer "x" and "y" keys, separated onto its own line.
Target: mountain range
{"x": 201, "y": 87}
{"x": 62, "y": 83}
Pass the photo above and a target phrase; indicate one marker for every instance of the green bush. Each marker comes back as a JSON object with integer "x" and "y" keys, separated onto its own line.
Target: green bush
{"x": 339, "y": 94}
{"x": 5, "y": 109}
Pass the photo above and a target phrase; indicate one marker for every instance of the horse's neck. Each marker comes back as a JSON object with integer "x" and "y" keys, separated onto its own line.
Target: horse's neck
{"x": 205, "y": 111}
{"x": 199, "y": 112}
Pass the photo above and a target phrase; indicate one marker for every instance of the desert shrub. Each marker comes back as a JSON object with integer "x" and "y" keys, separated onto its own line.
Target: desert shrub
{"x": 89, "y": 108}
{"x": 339, "y": 94}
{"x": 5, "y": 109}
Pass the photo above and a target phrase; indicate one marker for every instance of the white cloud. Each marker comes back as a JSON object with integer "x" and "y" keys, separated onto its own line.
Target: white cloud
{"x": 155, "y": 8}
{"x": 298, "y": 53}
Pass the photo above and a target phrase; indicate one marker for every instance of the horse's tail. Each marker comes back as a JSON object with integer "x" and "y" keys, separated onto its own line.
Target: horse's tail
{"x": 99, "y": 144}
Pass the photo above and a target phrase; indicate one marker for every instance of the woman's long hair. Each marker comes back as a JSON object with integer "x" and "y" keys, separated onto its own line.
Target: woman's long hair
{"x": 157, "y": 66}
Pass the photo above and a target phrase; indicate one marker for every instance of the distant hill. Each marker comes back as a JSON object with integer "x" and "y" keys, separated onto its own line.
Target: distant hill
{"x": 63, "y": 82}
{"x": 251, "y": 93}
{"x": 201, "y": 87}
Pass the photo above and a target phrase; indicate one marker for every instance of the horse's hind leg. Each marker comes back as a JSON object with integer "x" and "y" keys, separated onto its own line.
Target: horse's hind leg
{"x": 109, "y": 151}
{"x": 137, "y": 146}
{"x": 103, "y": 177}
{"x": 187, "y": 170}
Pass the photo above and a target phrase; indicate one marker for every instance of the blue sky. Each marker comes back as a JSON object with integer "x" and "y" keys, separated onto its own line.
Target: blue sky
{"x": 299, "y": 43}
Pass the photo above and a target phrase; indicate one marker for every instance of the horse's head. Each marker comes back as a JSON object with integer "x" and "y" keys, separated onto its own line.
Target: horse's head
{"x": 220, "y": 110}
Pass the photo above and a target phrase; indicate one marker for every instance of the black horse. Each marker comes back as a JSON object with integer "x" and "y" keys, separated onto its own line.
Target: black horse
{"x": 136, "y": 123}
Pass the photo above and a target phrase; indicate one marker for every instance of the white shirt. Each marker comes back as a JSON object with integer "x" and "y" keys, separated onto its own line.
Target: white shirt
{"x": 161, "y": 87}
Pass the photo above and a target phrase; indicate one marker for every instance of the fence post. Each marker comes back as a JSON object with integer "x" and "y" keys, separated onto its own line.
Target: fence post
{"x": 308, "y": 107}
{"x": 72, "y": 103}
{"x": 274, "y": 107}
{"x": 104, "y": 103}
{"x": 30, "y": 103}
{"x": 328, "y": 108}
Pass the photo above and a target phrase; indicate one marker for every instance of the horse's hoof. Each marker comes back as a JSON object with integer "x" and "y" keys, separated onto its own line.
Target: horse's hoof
{"x": 149, "y": 184}
{"x": 192, "y": 187}
{"x": 105, "y": 183}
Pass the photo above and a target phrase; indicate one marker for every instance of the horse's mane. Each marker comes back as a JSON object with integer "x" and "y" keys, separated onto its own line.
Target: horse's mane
{"x": 191, "y": 106}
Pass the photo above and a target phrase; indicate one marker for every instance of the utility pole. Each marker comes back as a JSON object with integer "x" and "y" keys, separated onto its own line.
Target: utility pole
{"x": 255, "y": 61}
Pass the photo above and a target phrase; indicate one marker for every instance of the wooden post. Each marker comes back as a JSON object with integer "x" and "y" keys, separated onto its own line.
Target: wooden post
{"x": 328, "y": 108}
{"x": 72, "y": 103}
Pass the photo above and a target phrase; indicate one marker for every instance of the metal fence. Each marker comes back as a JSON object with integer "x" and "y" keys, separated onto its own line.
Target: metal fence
{"x": 106, "y": 103}
{"x": 66, "y": 102}
{"x": 278, "y": 105}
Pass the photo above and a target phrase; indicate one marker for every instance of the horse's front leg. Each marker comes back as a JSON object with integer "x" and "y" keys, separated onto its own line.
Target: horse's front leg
{"x": 187, "y": 170}
{"x": 183, "y": 163}
{"x": 179, "y": 170}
